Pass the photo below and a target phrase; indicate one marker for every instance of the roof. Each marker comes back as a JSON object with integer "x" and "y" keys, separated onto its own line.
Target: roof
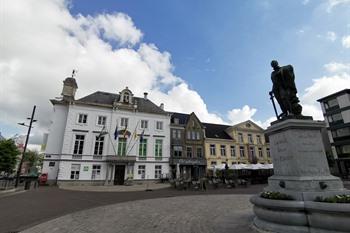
{"x": 183, "y": 117}
{"x": 216, "y": 131}
{"x": 105, "y": 98}
{"x": 345, "y": 91}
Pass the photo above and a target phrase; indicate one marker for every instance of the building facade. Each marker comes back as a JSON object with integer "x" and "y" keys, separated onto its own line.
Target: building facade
{"x": 187, "y": 146}
{"x": 106, "y": 138}
{"x": 241, "y": 143}
{"x": 336, "y": 111}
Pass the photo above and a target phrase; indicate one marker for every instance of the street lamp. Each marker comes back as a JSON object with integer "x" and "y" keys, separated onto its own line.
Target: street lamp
{"x": 26, "y": 143}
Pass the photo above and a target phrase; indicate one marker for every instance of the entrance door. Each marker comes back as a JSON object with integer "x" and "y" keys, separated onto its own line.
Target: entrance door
{"x": 119, "y": 174}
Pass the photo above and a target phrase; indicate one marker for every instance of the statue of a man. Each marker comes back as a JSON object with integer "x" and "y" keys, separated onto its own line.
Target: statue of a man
{"x": 284, "y": 90}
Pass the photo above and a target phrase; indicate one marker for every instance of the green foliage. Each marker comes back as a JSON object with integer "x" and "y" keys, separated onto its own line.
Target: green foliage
{"x": 275, "y": 196}
{"x": 334, "y": 199}
{"x": 34, "y": 160}
{"x": 8, "y": 155}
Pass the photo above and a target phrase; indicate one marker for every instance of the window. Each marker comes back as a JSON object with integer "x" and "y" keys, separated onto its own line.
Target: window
{"x": 99, "y": 145}
{"x": 250, "y": 138}
{"x": 189, "y": 152}
{"x": 144, "y": 124}
{"x": 142, "y": 171}
{"x": 213, "y": 163}
{"x": 122, "y": 146}
{"x": 176, "y": 121}
{"x": 193, "y": 135}
{"x": 79, "y": 144}
{"x": 331, "y": 103}
{"x": 157, "y": 171}
{"x": 199, "y": 152}
{"x": 176, "y": 133}
{"x": 233, "y": 151}
{"x": 240, "y": 137}
{"x": 51, "y": 164}
{"x": 241, "y": 152}
{"x": 335, "y": 118}
{"x": 198, "y": 137}
{"x": 96, "y": 172}
{"x": 74, "y": 171}
{"x": 177, "y": 151}
{"x": 143, "y": 148}
{"x": 258, "y": 139}
{"x": 101, "y": 120}
{"x": 124, "y": 122}
{"x": 126, "y": 97}
{"x": 341, "y": 132}
{"x": 158, "y": 150}
{"x": 223, "y": 150}
{"x": 82, "y": 118}
{"x": 268, "y": 152}
{"x": 212, "y": 149}
{"x": 251, "y": 152}
{"x": 159, "y": 125}
{"x": 260, "y": 152}
{"x": 188, "y": 134}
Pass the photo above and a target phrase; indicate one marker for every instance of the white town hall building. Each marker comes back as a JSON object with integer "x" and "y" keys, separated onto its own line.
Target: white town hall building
{"x": 106, "y": 138}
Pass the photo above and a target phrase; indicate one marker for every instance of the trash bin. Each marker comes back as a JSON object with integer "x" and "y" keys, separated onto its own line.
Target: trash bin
{"x": 27, "y": 185}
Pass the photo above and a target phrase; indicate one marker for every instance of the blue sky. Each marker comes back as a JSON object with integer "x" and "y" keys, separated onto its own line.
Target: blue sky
{"x": 217, "y": 53}
{"x": 223, "y": 48}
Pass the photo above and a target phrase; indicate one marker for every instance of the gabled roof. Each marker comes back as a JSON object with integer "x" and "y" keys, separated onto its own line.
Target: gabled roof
{"x": 247, "y": 122}
{"x": 216, "y": 131}
{"x": 105, "y": 98}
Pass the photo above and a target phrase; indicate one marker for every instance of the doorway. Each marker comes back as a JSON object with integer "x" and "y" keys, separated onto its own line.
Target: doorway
{"x": 119, "y": 174}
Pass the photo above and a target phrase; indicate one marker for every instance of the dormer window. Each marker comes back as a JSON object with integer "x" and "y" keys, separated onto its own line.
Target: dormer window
{"x": 126, "y": 98}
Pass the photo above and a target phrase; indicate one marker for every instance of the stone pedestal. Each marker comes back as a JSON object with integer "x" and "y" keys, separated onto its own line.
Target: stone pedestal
{"x": 301, "y": 171}
{"x": 300, "y": 163}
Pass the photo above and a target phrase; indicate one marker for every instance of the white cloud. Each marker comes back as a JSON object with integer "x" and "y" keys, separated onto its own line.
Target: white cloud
{"x": 331, "y": 36}
{"x": 346, "y": 41}
{"x": 43, "y": 42}
{"x": 320, "y": 88}
{"x": 334, "y": 3}
{"x": 335, "y": 67}
{"x": 238, "y": 115}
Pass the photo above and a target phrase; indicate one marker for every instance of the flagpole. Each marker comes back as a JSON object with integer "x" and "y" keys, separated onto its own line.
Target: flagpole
{"x": 110, "y": 139}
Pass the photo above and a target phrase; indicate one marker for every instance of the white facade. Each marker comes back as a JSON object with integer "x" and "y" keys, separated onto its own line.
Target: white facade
{"x": 65, "y": 161}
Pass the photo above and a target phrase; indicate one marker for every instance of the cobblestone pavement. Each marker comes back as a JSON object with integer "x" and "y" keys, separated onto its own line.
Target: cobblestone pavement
{"x": 25, "y": 210}
{"x": 188, "y": 214}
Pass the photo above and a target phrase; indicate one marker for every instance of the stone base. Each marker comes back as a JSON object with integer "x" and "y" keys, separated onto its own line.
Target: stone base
{"x": 301, "y": 171}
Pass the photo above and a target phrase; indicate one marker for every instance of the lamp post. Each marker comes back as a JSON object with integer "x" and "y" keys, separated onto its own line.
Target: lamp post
{"x": 25, "y": 145}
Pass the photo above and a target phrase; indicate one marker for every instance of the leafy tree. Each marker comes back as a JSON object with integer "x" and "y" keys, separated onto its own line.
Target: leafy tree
{"x": 33, "y": 158}
{"x": 8, "y": 155}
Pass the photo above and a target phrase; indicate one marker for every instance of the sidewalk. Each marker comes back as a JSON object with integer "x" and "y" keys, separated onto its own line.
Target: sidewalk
{"x": 117, "y": 188}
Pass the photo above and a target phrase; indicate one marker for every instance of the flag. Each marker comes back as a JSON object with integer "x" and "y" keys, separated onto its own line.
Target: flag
{"x": 135, "y": 134}
{"x": 103, "y": 132}
{"x": 141, "y": 136}
{"x": 116, "y": 132}
{"x": 125, "y": 130}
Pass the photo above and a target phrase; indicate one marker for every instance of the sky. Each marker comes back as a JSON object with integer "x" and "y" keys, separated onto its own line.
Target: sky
{"x": 208, "y": 57}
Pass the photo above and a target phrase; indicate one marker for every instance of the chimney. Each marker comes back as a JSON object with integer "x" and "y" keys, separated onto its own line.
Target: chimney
{"x": 145, "y": 95}
{"x": 162, "y": 106}
{"x": 69, "y": 88}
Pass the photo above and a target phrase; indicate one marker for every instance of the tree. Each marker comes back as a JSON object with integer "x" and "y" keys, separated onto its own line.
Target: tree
{"x": 8, "y": 155}
{"x": 33, "y": 159}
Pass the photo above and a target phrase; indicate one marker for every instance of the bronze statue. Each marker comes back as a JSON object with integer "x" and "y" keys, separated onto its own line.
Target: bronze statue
{"x": 285, "y": 91}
